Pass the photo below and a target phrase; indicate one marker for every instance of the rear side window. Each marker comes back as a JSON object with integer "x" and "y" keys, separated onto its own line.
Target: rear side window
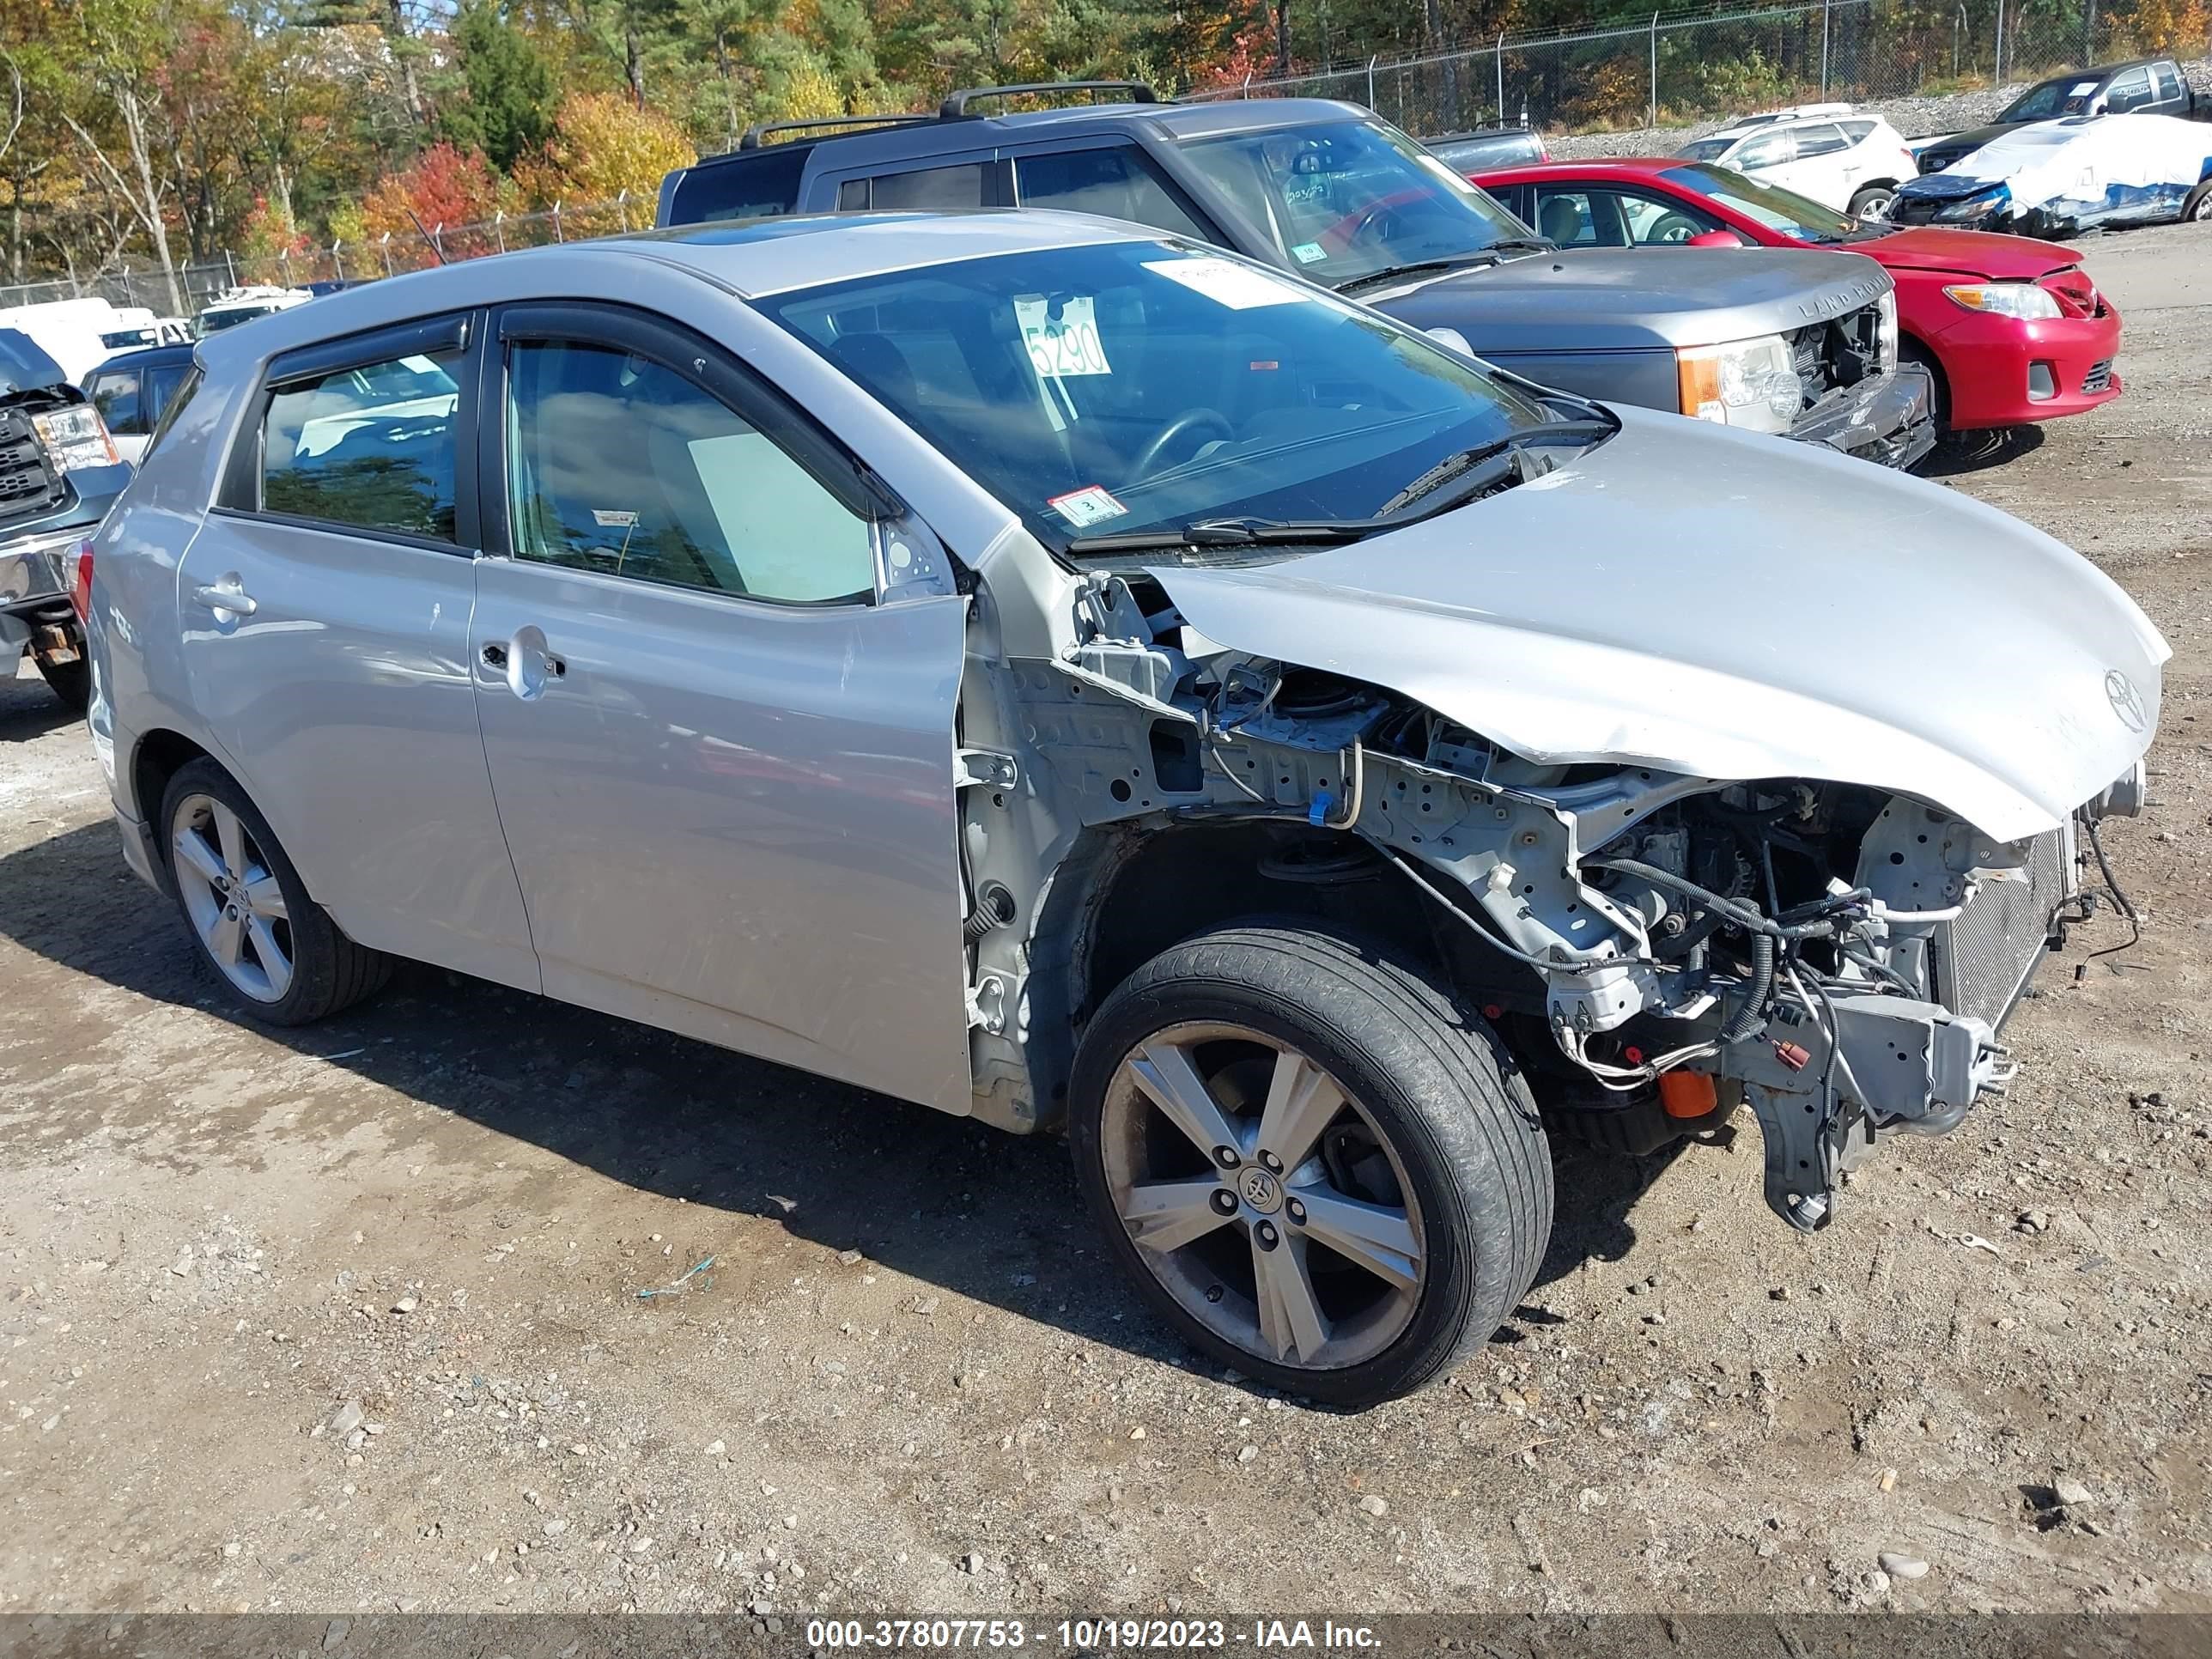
{"x": 1820, "y": 140}
{"x": 1858, "y": 132}
{"x": 759, "y": 186}
{"x": 1116, "y": 183}
{"x": 2169, "y": 83}
{"x": 115, "y": 395}
{"x": 371, "y": 446}
{"x": 929, "y": 190}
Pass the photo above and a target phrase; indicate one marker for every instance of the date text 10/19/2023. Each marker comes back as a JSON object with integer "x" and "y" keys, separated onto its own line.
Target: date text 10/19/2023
{"x": 1091, "y": 1635}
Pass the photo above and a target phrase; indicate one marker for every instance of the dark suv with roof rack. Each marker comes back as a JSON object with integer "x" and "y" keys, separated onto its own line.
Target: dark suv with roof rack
{"x": 1798, "y": 343}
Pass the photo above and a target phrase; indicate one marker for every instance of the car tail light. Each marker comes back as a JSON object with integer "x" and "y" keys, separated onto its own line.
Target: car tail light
{"x": 81, "y": 589}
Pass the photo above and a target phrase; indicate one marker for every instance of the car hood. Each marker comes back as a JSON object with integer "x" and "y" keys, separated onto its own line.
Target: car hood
{"x": 1722, "y": 605}
{"x": 1969, "y": 253}
{"x": 1625, "y": 299}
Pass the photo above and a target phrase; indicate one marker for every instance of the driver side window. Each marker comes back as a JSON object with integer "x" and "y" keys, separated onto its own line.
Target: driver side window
{"x": 2130, "y": 91}
{"x": 619, "y": 465}
{"x": 1768, "y": 150}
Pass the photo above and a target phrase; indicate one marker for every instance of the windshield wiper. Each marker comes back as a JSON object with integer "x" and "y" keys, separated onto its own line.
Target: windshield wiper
{"x": 1419, "y": 268}
{"x": 1499, "y": 461}
{"x": 1226, "y": 533}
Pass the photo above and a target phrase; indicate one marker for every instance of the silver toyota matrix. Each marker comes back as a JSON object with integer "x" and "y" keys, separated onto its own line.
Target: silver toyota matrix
{"x": 1070, "y": 676}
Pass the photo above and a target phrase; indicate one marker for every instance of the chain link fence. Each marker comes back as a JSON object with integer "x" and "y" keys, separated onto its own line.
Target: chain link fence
{"x": 343, "y": 261}
{"x": 1677, "y": 68}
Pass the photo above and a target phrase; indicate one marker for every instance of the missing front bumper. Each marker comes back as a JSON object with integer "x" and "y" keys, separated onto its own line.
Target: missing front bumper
{"x": 1889, "y": 419}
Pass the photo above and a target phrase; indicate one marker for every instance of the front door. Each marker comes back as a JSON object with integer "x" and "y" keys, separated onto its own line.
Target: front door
{"x": 723, "y": 761}
{"x": 326, "y": 612}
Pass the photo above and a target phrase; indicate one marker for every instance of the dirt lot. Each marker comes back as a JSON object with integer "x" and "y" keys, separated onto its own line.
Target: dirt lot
{"x": 908, "y": 1382}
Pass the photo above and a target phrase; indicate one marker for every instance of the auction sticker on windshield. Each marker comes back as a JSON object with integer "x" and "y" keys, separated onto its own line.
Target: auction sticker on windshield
{"x": 1063, "y": 345}
{"x": 1087, "y": 506}
{"x": 1227, "y": 283}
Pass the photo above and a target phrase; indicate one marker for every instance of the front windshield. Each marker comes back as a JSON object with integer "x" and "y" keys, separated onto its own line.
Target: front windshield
{"x": 1705, "y": 150}
{"x": 1146, "y": 385}
{"x": 2067, "y": 95}
{"x": 1340, "y": 200}
{"x": 1777, "y": 209}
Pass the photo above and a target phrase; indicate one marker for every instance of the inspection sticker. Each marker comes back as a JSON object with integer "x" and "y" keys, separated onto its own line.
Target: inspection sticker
{"x": 1307, "y": 253}
{"x": 1087, "y": 506}
{"x": 1227, "y": 283}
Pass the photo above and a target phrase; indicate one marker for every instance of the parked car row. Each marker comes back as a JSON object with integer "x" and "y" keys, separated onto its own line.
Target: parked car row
{"x": 1083, "y": 672}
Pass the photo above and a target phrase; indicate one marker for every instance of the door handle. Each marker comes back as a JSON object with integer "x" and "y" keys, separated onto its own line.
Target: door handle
{"x": 523, "y": 662}
{"x": 225, "y": 596}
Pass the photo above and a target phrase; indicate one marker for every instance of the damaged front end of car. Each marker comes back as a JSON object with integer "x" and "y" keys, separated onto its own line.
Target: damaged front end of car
{"x": 1654, "y": 947}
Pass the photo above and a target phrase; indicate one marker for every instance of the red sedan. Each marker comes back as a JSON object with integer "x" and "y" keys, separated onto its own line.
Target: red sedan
{"x": 2012, "y": 330}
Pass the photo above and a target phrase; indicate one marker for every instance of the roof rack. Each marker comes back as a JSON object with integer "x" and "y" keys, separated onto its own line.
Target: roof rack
{"x": 756, "y": 136}
{"x": 955, "y": 108}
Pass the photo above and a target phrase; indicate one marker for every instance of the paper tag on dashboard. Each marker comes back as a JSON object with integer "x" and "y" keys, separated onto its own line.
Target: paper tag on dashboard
{"x": 1087, "y": 506}
{"x": 1225, "y": 282}
{"x": 610, "y": 518}
{"x": 1063, "y": 346}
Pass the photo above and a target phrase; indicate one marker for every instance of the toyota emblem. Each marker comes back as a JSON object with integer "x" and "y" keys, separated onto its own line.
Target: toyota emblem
{"x": 2127, "y": 702}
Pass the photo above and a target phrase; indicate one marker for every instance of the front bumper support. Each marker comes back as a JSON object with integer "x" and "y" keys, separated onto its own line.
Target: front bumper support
{"x": 1888, "y": 418}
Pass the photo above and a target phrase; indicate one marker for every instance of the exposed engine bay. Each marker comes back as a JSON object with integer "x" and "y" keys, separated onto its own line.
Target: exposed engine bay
{"x": 1654, "y": 948}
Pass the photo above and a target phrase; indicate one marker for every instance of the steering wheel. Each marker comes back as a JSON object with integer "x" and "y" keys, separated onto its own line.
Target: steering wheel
{"x": 1191, "y": 419}
{"x": 1671, "y": 227}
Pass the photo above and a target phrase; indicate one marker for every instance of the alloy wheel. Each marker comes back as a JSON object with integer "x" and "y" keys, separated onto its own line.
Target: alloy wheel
{"x": 1263, "y": 1198}
{"x": 232, "y": 897}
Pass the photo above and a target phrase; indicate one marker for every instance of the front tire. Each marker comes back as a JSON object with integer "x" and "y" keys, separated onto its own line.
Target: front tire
{"x": 1874, "y": 203}
{"x": 274, "y": 949}
{"x": 1320, "y": 1169}
{"x": 2197, "y": 206}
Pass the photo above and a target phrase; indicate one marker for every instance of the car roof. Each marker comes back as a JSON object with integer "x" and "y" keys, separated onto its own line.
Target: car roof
{"x": 157, "y": 356}
{"x": 931, "y": 137}
{"x": 1600, "y": 167}
{"x": 749, "y": 257}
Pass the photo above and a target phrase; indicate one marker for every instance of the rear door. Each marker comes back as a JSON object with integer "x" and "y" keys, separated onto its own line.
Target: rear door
{"x": 1820, "y": 167}
{"x": 722, "y": 750}
{"x": 325, "y": 608}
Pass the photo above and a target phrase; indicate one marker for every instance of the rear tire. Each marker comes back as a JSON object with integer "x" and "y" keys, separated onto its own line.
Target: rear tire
{"x": 1408, "y": 1209}
{"x": 1872, "y": 202}
{"x": 275, "y": 951}
{"x": 69, "y": 681}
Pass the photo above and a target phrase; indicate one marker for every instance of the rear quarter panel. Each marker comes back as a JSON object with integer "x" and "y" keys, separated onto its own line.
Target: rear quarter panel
{"x": 133, "y": 633}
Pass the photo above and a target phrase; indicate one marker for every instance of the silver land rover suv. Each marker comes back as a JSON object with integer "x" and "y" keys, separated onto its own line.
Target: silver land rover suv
{"x": 1050, "y": 672}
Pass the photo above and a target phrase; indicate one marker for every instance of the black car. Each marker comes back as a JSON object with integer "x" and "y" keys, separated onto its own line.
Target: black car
{"x": 59, "y": 473}
{"x": 2147, "y": 86}
{"x": 132, "y": 390}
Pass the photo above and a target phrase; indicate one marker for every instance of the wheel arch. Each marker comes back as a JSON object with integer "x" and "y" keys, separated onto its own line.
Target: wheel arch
{"x": 1124, "y": 893}
{"x": 161, "y": 754}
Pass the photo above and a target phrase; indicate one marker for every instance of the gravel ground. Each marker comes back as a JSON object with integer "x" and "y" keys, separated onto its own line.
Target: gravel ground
{"x": 349, "y": 1319}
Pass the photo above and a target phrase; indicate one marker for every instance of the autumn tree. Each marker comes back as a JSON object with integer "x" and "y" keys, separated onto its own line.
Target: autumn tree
{"x": 507, "y": 92}
{"x": 603, "y": 147}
